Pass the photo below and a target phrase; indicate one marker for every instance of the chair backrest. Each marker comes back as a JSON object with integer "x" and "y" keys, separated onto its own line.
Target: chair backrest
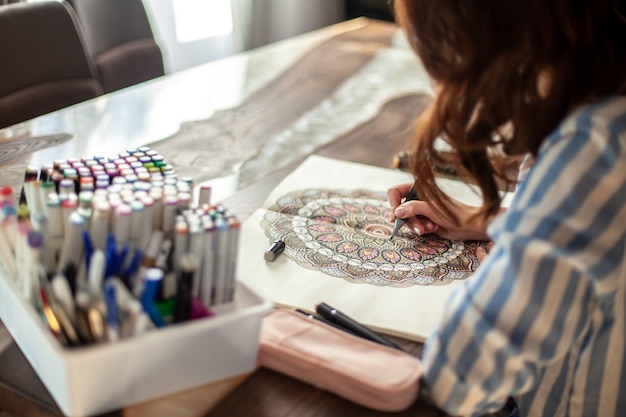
{"x": 121, "y": 40}
{"x": 44, "y": 63}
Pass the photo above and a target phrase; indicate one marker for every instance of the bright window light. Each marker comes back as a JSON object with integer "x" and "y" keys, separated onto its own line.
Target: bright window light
{"x": 201, "y": 19}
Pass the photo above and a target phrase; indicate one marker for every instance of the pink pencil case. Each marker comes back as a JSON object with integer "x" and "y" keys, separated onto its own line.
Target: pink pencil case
{"x": 365, "y": 372}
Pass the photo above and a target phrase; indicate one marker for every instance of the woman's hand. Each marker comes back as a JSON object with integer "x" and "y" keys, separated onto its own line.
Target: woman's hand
{"x": 423, "y": 218}
{"x": 483, "y": 252}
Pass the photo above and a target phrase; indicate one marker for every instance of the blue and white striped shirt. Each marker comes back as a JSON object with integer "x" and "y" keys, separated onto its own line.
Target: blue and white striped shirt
{"x": 544, "y": 318}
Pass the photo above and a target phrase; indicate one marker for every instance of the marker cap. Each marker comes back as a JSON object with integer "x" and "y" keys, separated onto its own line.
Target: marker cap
{"x": 274, "y": 250}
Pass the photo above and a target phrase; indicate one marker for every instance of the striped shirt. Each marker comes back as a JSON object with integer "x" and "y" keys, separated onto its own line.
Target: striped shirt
{"x": 544, "y": 318}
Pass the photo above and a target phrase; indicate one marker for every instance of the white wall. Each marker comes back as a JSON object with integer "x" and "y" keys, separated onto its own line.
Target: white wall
{"x": 254, "y": 22}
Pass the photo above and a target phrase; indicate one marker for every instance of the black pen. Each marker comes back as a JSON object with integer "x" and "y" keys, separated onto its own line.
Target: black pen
{"x": 182, "y": 299}
{"x": 412, "y": 195}
{"x": 337, "y": 317}
{"x": 321, "y": 319}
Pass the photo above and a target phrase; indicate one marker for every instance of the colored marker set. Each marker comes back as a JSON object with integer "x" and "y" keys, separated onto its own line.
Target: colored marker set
{"x": 110, "y": 248}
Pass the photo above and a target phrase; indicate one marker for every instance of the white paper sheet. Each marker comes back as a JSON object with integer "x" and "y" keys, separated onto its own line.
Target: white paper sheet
{"x": 411, "y": 312}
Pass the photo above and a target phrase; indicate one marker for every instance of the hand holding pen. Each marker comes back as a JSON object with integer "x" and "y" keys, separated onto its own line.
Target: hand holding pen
{"x": 424, "y": 218}
{"x": 402, "y": 213}
{"x": 399, "y": 222}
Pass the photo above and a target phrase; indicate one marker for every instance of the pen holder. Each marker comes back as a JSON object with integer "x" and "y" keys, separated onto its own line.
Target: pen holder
{"x": 365, "y": 372}
{"x": 101, "y": 378}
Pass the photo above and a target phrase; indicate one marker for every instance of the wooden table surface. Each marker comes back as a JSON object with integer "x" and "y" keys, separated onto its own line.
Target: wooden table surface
{"x": 350, "y": 91}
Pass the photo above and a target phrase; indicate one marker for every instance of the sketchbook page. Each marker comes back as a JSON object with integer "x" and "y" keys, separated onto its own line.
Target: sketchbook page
{"x": 322, "y": 172}
{"x": 409, "y": 311}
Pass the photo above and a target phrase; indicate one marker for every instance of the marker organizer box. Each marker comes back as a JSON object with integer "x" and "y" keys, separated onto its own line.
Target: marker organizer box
{"x": 128, "y": 366}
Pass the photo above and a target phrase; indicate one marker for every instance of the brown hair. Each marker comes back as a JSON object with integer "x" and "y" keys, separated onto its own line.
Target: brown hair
{"x": 489, "y": 60}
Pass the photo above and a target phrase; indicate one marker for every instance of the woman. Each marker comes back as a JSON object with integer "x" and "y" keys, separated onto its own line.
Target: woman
{"x": 543, "y": 320}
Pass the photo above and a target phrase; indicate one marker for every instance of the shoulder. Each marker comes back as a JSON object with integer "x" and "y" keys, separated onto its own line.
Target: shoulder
{"x": 598, "y": 125}
{"x": 573, "y": 197}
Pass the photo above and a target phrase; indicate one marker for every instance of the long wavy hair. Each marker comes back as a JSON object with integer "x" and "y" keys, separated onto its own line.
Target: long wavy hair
{"x": 507, "y": 72}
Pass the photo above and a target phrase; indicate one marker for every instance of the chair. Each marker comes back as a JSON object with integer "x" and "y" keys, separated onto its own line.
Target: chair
{"x": 45, "y": 66}
{"x": 120, "y": 37}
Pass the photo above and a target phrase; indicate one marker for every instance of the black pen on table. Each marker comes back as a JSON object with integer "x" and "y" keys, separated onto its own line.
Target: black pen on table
{"x": 321, "y": 319}
{"x": 337, "y": 317}
{"x": 412, "y": 195}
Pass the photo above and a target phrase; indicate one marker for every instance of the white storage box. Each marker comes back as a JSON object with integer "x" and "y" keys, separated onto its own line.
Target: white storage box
{"x": 97, "y": 379}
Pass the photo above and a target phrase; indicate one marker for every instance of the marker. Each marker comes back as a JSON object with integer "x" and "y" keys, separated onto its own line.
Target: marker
{"x": 138, "y": 226}
{"x": 412, "y": 195}
{"x": 204, "y": 194}
{"x": 99, "y": 224}
{"x": 47, "y": 255}
{"x": 222, "y": 245}
{"x": 112, "y": 316}
{"x": 149, "y": 258}
{"x": 129, "y": 273}
{"x": 51, "y": 319}
{"x": 122, "y": 220}
{"x": 96, "y": 324}
{"x": 197, "y": 248}
{"x": 30, "y": 277}
{"x": 6, "y": 255}
{"x": 274, "y": 250}
{"x": 208, "y": 263}
{"x": 96, "y": 272}
{"x": 168, "y": 283}
{"x": 182, "y": 305}
{"x": 82, "y": 317}
{"x": 181, "y": 243}
{"x": 63, "y": 294}
{"x": 152, "y": 282}
{"x": 335, "y": 316}
{"x": 147, "y": 221}
{"x": 55, "y": 226}
{"x": 72, "y": 250}
{"x": 231, "y": 269}
{"x": 9, "y": 225}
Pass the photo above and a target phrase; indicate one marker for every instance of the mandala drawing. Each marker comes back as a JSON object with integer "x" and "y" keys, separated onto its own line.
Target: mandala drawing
{"x": 345, "y": 233}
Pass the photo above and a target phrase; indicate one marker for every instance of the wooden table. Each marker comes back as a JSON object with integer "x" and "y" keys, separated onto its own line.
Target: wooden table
{"x": 350, "y": 91}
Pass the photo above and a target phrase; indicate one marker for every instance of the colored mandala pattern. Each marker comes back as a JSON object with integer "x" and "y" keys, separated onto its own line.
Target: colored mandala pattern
{"x": 345, "y": 233}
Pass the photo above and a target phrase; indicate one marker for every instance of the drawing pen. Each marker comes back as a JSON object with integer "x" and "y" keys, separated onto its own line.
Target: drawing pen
{"x": 335, "y": 316}
{"x": 412, "y": 195}
{"x": 325, "y": 321}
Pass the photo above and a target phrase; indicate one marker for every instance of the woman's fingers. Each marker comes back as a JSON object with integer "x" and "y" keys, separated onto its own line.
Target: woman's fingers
{"x": 415, "y": 208}
{"x": 482, "y": 252}
{"x": 396, "y": 195}
{"x": 422, "y": 225}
